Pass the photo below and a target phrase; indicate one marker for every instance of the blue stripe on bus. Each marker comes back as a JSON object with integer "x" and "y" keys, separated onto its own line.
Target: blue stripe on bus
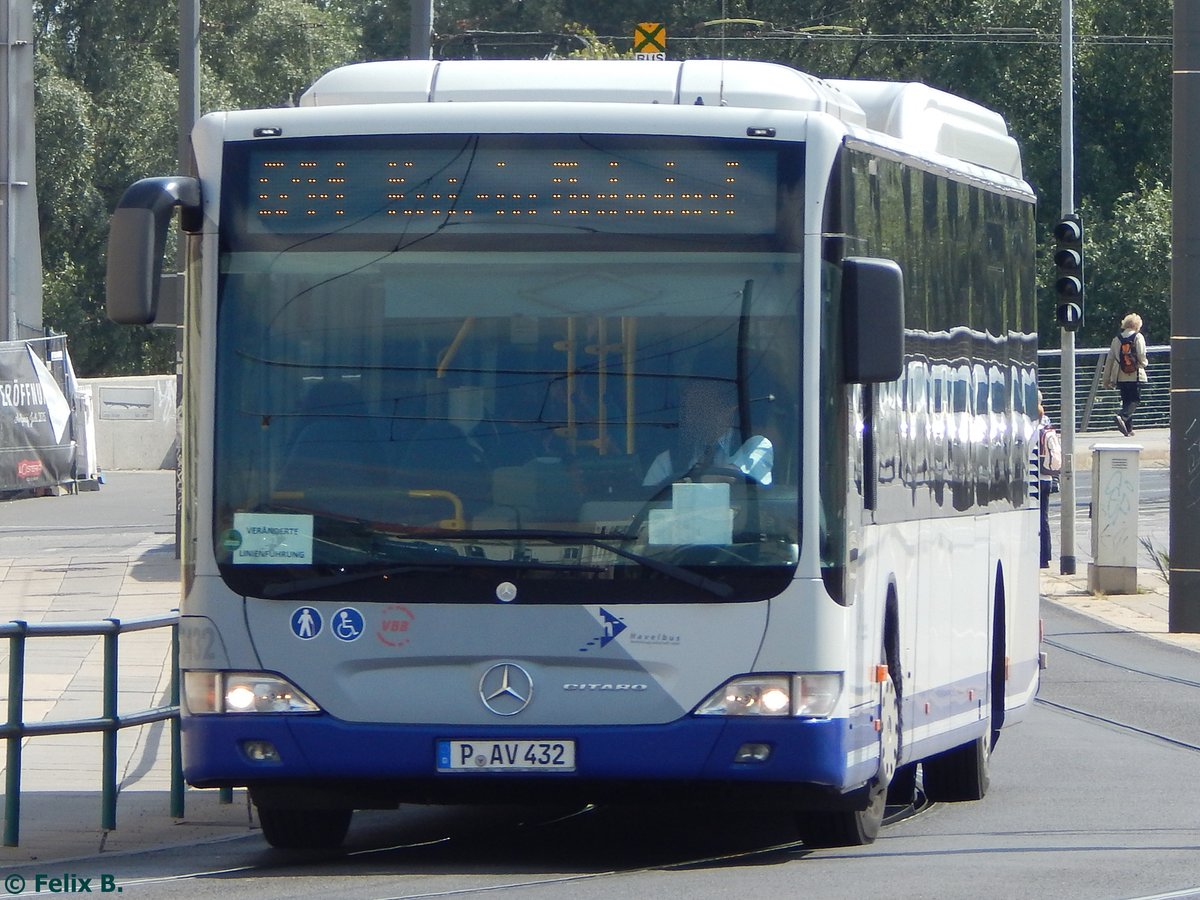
{"x": 316, "y": 747}
{"x": 803, "y": 750}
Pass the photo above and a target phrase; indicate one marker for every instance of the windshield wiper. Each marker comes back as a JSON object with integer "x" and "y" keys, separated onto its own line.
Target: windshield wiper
{"x": 448, "y": 561}
{"x": 679, "y": 573}
{"x": 453, "y": 560}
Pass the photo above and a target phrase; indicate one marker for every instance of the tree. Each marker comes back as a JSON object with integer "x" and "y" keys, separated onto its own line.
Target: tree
{"x": 1128, "y": 266}
{"x": 75, "y": 160}
{"x": 106, "y": 105}
{"x": 1004, "y": 54}
{"x": 107, "y": 113}
{"x": 70, "y": 208}
{"x": 266, "y": 52}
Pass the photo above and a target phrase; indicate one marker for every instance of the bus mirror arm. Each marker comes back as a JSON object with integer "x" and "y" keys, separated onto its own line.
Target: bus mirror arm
{"x": 137, "y": 238}
{"x": 873, "y": 320}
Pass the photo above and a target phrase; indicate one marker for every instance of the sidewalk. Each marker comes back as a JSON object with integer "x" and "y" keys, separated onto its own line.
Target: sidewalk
{"x": 60, "y": 798}
{"x": 1147, "y": 611}
{"x": 61, "y": 774}
{"x": 1155, "y": 444}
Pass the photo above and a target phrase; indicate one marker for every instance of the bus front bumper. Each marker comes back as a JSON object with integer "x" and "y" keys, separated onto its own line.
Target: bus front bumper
{"x": 401, "y": 761}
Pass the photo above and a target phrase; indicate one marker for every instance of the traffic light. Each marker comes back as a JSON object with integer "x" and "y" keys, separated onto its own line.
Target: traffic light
{"x": 1068, "y": 278}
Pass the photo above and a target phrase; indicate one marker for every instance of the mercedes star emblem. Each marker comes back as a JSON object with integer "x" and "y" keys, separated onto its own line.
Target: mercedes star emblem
{"x": 506, "y": 689}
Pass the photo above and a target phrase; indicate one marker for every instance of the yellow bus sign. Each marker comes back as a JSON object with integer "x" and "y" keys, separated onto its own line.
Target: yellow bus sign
{"x": 650, "y": 40}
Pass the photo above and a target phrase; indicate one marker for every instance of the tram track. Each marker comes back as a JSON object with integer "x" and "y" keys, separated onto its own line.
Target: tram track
{"x": 1124, "y": 726}
{"x": 1109, "y": 720}
{"x": 1174, "y": 679}
{"x": 471, "y": 838}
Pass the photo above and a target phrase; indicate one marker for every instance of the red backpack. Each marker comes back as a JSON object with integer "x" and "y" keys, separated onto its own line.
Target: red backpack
{"x": 1127, "y": 357}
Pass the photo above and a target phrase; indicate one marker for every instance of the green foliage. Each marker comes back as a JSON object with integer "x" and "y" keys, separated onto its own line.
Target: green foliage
{"x": 268, "y": 51}
{"x": 1161, "y": 558}
{"x": 382, "y": 25}
{"x": 1123, "y": 101}
{"x": 106, "y": 106}
{"x": 98, "y": 346}
{"x": 1127, "y": 264}
{"x": 596, "y": 48}
{"x": 146, "y": 106}
{"x": 71, "y": 210}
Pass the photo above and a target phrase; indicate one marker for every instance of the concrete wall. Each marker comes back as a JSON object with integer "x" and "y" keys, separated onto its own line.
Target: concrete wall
{"x": 135, "y": 421}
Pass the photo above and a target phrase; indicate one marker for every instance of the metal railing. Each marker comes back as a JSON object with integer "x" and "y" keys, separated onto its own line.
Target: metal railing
{"x": 1095, "y": 406}
{"x": 16, "y": 729}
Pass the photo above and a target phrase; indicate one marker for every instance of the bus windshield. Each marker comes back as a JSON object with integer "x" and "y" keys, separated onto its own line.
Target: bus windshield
{"x": 554, "y": 413}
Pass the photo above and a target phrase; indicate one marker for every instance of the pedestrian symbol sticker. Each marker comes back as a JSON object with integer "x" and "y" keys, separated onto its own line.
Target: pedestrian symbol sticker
{"x": 347, "y": 624}
{"x": 306, "y": 623}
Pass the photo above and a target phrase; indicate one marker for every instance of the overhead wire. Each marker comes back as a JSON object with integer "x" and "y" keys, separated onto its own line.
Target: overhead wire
{"x": 998, "y": 37}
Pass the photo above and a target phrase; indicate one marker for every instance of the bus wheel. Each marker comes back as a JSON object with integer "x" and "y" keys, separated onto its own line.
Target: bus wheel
{"x": 857, "y": 827}
{"x": 889, "y": 728}
{"x": 304, "y": 829}
{"x": 903, "y": 789}
{"x": 844, "y": 827}
{"x": 958, "y": 774}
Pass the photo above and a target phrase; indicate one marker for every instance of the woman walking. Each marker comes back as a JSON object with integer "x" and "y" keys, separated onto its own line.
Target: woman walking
{"x": 1126, "y": 370}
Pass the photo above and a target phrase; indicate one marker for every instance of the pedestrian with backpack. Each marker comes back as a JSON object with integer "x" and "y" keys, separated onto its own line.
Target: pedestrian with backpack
{"x": 1125, "y": 370}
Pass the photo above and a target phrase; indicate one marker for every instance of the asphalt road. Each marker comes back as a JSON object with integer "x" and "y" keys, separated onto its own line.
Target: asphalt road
{"x": 1154, "y": 486}
{"x": 128, "y": 508}
{"x": 1094, "y": 796}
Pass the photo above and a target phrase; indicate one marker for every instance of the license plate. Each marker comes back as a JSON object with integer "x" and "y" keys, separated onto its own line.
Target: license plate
{"x": 506, "y": 756}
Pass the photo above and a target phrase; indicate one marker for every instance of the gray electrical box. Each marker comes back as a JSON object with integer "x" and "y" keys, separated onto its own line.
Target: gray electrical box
{"x": 1115, "y": 500}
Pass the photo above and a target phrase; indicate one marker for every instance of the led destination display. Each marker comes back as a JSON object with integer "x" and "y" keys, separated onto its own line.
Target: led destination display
{"x": 415, "y": 185}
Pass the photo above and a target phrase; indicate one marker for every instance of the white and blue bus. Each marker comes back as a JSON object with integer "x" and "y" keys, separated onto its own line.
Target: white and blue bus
{"x": 600, "y": 431}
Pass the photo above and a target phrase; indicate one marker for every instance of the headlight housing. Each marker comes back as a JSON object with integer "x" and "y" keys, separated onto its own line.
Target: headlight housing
{"x": 206, "y": 693}
{"x": 808, "y": 695}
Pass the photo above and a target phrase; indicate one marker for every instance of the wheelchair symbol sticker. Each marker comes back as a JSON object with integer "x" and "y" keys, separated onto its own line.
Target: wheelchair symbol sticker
{"x": 347, "y": 624}
{"x": 306, "y": 623}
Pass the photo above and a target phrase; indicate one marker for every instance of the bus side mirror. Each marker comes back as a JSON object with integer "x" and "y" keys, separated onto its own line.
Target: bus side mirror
{"x": 872, "y": 320}
{"x": 137, "y": 238}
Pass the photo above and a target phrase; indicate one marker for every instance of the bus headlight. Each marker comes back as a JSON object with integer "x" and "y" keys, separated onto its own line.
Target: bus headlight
{"x": 243, "y": 692}
{"x": 813, "y": 695}
{"x": 817, "y": 694}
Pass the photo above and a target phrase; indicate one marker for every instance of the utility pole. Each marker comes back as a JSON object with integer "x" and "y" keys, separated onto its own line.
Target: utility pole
{"x": 21, "y": 262}
{"x": 189, "y": 112}
{"x": 1183, "y": 608}
{"x": 189, "y": 77}
{"x": 1066, "y": 541}
{"x": 421, "y": 29}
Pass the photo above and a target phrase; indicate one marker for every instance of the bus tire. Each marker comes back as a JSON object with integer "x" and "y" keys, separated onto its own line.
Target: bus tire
{"x": 858, "y": 827}
{"x": 903, "y": 789}
{"x": 844, "y": 827}
{"x": 958, "y": 774}
{"x": 304, "y": 829}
